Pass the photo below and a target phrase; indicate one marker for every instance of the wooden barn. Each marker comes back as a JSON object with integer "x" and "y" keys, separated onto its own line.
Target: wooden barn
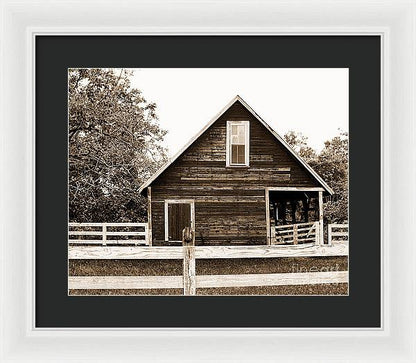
{"x": 237, "y": 182}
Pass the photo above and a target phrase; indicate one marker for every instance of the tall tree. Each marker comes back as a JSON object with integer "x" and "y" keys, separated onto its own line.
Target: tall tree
{"x": 332, "y": 165}
{"x": 115, "y": 143}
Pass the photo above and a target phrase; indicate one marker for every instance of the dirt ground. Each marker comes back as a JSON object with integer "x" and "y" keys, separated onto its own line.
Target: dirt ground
{"x": 215, "y": 267}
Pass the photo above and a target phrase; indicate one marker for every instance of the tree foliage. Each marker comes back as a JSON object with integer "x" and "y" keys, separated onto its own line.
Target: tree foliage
{"x": 299, "y": 143}
{"x": 115, "y": 144}
{"x": 332, "y": 165}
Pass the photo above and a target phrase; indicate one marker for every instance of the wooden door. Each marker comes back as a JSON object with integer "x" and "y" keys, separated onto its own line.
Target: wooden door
{"x": 179, "y": 217}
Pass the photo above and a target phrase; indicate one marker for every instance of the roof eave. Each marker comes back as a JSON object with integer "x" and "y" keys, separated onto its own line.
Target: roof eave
{"x": 215, "y": 118}
{"x": 289, "y": 148}
{"x": 188, "y": 144}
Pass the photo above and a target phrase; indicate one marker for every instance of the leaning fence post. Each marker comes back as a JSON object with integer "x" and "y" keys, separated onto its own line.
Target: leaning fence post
{"x": 188, "y": 242}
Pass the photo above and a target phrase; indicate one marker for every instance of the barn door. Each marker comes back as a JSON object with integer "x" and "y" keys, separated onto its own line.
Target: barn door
{"x": 178, "y": 215}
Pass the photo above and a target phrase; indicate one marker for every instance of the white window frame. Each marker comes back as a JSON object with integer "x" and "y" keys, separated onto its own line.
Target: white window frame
{"x": 247, "y": 143}
{"x": 178, "y": 201}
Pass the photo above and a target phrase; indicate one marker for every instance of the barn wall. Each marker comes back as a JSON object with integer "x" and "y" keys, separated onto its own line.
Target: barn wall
{"x": 229, "y": 201}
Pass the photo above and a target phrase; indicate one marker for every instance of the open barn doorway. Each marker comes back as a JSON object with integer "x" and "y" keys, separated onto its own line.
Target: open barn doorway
{"x": 297, "y": 209}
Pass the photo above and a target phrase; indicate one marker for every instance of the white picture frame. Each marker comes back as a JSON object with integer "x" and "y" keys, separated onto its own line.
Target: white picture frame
{"x": 22, "y": 20}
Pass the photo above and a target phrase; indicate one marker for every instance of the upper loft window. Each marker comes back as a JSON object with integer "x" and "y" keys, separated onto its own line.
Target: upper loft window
{"x": 238, "y": 143}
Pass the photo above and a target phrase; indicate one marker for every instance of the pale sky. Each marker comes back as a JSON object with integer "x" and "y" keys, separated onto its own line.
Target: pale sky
{"x": 313, "y": 101}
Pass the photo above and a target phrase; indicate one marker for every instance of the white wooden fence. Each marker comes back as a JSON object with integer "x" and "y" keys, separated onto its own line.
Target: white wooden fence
{"x": 108, "y": 234}
{"x": 190, "y": 282}
{"x": 296, "y": 233}
{"x": 302, "y": 238}
{"x": 337, "y": 230}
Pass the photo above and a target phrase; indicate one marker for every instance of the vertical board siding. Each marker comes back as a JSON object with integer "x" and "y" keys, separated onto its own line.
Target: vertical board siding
{"x": 229, "y": 201}
{"x": 179, "y": 216}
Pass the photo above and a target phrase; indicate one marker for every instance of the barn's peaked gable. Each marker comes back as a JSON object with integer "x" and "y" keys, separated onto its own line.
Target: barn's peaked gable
{"x": 264, "y": 123}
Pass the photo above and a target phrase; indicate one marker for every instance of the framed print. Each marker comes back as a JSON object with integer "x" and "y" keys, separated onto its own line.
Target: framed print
{"x": 264, "y": 225}
{"x": 173, "y": 183}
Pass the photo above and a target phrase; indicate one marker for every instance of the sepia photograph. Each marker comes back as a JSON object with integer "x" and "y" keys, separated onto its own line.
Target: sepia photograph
{"x": 204, "y": 182}
{"x": 208, "y": 181}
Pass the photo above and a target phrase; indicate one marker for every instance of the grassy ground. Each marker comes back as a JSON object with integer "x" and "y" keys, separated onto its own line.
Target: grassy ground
{"x": 215, "y": 267}
{"x": 321, "y": 289}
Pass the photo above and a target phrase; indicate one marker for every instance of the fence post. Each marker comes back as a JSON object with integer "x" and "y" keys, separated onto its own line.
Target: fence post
{"x": 146, "y": 235}
{"x": 316, "y": 233}
{"x": 188, "y": 242}
{"x": 329, "y": 234}
{"x": 321, "y": 218}
{"x": 104, "y": 234}
{"x": 295, "y": 234}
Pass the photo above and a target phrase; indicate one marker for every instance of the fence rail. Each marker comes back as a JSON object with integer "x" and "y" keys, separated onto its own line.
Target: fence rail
{"x": 104, "y": 233}
{"x": 204, "y": 252}
{"x": 333, "y": 231}
{"x": 296, "y": 233}
{"x": 207, "y": 281}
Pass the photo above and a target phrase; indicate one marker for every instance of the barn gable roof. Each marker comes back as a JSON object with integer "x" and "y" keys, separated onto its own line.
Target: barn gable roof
{"x": 264, "y": 123}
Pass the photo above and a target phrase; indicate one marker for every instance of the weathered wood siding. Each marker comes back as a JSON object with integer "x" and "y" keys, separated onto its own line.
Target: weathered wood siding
{"x": 229, "y": 201}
